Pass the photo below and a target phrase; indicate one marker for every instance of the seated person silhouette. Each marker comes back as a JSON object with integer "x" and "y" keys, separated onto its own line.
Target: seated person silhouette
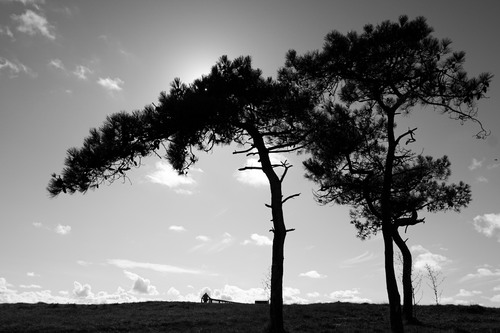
{"x": 205, "y": 298}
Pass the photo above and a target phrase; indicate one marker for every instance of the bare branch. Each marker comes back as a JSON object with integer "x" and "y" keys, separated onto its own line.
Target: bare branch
{"x": 286, "y": 166}
{"x": 243, "y": 151}
{"x": 250, "y": 168}
{"x": 290, "y": 197}
{"x": 411, "y": 133}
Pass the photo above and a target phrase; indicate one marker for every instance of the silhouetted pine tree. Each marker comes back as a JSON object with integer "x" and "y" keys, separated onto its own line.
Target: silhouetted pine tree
{"x": 387, "y": 70}
{"x": 233, "y": 103}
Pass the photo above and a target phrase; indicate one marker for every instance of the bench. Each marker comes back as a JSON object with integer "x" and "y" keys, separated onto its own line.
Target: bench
{"x": 262, "y": 302}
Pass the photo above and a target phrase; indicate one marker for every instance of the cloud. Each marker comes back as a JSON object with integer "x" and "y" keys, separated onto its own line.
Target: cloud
{"x": 467, "y": 293}
{"x": 32, "y": 23}
{"x": 33, "y": 3}
{"x": 313, "y": 275}
{"x": 493, "y": 166}
{"x": 141, "y": 285}
{"x": 32, "y": 274}
{"x": 81, "y": 293}
{"x": 425, "y": 257}
{"x": 128, "y": 264}
{"x": 482, "y": 179}
{"x": 15, "y": 68}
{"x": 166, "y": 175}
{"x": 226, "y": 241}
{"x": 351, "y": 296}
{"x": 31, "y": 286}
{"x": 203, "y": 238}
{"x": 314, "y": 294}
{"x": 258, "y": 240}
{"x": 59, "y": 229}
{"x": 174, "y": 294}
{"x": 475, "y": 164}
{"x": 57, "y": 63}
{"x": 62, "y": 229}
{"x": 495, "y": 299}
{"x": 177, "y": 228}
{"x": 5, "y": 30}
{"x": 488, "y": 225}
{"x": 482, "y": 273}
{"x": 111, "y": 84}
{"x": 3, "y": 284}
{"x": 81, "y": 72}
{"x": 364, "y": 257}
{"x": 83, "y": 263}
{"x": 222, "y": 243}
{"x": 82, "y": 290}
{"x": 256, "y": 177}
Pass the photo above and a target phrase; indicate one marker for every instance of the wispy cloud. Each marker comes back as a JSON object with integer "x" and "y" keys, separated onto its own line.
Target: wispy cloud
{"x": 33, "y": 23}
{"x": 83, "y": 263}
{"x": 213, "y": 246}
{"x": 141, "y": 285}
{"x": 493, "y": 166}
{"x": 426, "y": 257}
{"x": 34, "y": 3}
{"x": 476, "y": 164}
{"x": 225, "y": 242}
{"x": 111, "y": 84}
{"x": 57, "y": 63}
{"x": 259, "y": 240}
{"x": 364, "y": 257}
{"x": 5, "y": 30}
{"x": 128, "y": 264}
{"x": 14, "y": 68}
{"x": 313, "y": 275}
{"x": 82, "y": 72}
{"x": 177, "y": 228}
{"x": 488, "y": 225}
{"x": 482, "y": 179}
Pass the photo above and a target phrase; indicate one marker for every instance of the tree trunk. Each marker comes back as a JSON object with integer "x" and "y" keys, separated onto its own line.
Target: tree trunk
{"x": 276, "y": 308}
{"x": 388, "y": 227}
{"x": 407, "y": 282}
{"x": 391, "y": 283}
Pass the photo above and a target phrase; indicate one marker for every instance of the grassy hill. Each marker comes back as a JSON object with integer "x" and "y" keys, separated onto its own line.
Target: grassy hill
{"x": 194, "y": 317}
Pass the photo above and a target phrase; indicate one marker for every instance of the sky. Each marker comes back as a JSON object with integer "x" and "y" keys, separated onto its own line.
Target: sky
{"x": 66, "y": 65}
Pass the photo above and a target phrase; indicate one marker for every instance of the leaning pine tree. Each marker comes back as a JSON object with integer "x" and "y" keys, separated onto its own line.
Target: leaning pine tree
{"x": 390, "y": 69}
{"x": 232, "y": 104}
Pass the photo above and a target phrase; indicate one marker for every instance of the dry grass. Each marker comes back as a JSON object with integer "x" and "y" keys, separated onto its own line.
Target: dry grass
{"x": 193, "y": 317}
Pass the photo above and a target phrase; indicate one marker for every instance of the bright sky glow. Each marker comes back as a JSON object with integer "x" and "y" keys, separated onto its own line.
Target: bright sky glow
{"x": 66, "y": 65}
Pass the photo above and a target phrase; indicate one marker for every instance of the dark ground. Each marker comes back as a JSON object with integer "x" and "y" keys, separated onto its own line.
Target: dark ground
{"x": 194, "y": 317}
